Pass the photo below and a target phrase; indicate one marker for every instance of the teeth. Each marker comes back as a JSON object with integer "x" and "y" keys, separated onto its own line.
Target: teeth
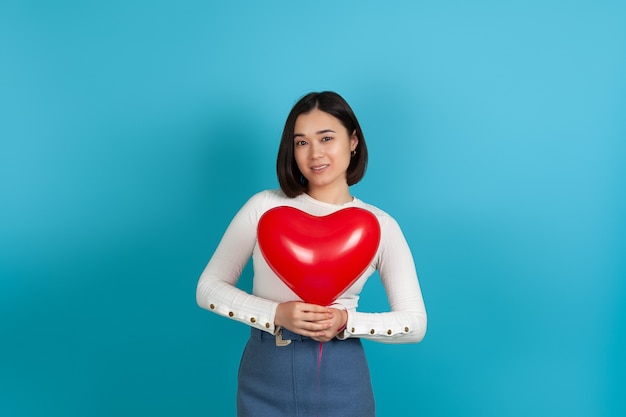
{"x": 319, "y": 168}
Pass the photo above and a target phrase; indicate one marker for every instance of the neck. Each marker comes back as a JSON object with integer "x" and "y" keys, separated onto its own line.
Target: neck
{"x": 331, "y": 196}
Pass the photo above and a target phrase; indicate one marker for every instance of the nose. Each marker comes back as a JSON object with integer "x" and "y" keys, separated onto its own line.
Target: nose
{"x": 317, "y": 150}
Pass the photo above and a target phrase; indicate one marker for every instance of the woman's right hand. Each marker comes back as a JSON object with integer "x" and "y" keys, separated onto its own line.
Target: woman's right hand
{"x": 302, "y": 318}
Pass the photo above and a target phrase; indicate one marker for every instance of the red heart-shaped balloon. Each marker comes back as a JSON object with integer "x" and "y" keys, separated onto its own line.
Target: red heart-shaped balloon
{"x": 318, "y": 257}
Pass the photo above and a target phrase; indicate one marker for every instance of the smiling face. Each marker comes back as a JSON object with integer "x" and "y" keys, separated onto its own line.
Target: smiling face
{"x": 322, "y": 149}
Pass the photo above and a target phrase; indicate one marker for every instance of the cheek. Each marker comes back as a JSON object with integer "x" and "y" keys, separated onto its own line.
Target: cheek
{"x": 343, "y": 153}
{"x": 299, "y": 157}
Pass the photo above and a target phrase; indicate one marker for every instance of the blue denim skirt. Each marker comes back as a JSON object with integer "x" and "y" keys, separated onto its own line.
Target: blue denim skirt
{"x": 298, "y": 379}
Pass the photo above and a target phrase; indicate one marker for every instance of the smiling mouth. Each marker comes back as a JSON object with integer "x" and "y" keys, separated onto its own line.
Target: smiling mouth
{"x": 319, "y": 168}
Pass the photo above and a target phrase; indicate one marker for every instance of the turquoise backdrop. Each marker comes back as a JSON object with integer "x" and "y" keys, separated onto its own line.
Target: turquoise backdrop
{"x": 132, "y": 131}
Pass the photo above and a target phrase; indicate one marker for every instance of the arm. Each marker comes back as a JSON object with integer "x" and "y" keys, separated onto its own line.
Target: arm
{"x": 406, "y": 322}
{"x": 217, "y": 291}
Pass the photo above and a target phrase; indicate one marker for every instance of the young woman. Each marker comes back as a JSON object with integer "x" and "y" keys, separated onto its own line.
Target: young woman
{"x": 322, "y": 152}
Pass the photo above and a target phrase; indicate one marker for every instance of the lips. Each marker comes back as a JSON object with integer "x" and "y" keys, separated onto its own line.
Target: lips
{"x": 319, "y": 168}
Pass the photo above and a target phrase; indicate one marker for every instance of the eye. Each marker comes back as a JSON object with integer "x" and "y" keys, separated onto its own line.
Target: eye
{"x": 327, "y": 138}
{"x": 301, "y": 143}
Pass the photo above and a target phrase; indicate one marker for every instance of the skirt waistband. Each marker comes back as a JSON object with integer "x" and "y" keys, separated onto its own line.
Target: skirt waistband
{"x": 286, "y": 335}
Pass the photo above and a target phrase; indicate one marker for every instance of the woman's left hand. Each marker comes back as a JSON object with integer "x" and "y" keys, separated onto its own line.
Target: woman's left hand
{"x": 338, "y": 319}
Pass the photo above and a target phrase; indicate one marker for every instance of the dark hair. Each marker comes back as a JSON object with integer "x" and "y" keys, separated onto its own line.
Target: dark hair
{"x": 290, "y": 178}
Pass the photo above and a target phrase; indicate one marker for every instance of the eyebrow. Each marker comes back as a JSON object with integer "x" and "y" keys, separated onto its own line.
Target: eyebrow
{"x": 319, "y": 132}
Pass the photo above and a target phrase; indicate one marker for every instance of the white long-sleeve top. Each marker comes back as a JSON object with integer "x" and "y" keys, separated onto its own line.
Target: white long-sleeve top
{"x": 217, "y": 291}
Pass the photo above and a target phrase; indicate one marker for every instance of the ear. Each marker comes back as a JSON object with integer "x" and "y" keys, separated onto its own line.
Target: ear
{"x": 354, "y": 141}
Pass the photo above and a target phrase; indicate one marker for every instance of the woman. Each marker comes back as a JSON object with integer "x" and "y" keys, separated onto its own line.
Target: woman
{"x": 322, "y": 152}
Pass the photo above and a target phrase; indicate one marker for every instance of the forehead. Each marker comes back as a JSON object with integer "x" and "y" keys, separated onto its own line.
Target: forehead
{"x": 316, "y": 120}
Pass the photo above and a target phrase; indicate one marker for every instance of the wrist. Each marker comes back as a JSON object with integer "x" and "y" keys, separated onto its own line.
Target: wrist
{"x": 345, "y": 321}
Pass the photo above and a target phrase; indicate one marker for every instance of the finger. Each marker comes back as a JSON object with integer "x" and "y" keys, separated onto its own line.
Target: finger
{"x": 305, "y": 315}
{"x": 322, "y": 338}
{"x": 313, "y": 334}
{"x": 316, "y": 317}
{"x": 314, "y": 326}
{"x": 313, "y": 308}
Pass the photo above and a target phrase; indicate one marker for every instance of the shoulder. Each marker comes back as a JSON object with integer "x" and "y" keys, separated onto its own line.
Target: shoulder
{"x": 269, "y": 197}
{"x": 383, "y": 217}
{"x": 252, "y": 210}
{"x": 265, "y": 200}
{"x": 393, "y": 243}
{"x": 389, "y": 227}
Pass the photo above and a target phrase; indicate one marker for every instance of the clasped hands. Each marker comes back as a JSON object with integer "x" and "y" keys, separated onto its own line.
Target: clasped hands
{"x": 319, "y": 323}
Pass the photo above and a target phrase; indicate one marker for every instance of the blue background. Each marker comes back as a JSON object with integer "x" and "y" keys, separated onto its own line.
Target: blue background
{"x": 132, "y": 131}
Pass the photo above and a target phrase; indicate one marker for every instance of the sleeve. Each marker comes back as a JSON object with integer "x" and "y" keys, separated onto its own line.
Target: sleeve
{"x": 406, "y": 322}
{"x": 217, "y": 291}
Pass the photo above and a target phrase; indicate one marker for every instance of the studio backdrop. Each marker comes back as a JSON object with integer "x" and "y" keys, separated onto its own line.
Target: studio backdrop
{"x": 132, "y": 131}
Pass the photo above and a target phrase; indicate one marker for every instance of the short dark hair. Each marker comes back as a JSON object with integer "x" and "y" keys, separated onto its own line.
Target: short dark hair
{"x": 290, "y": 178}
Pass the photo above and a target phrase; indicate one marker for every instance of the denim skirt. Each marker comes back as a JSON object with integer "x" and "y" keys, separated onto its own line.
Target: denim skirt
{"x": 295, "y": 376}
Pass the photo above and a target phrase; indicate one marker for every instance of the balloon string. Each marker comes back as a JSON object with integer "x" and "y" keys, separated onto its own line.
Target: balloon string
{"x": 317, "y": 382}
